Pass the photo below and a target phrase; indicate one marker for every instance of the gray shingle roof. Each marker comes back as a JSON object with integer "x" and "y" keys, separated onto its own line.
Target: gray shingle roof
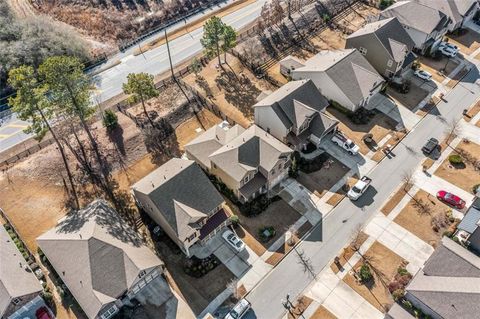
{"x": 348, "y": 69}
{"x": 97, "y": 255}
{"x": 416, "y": 15}
{"x": 182, "y": 193}
{"x": 294, "y": 101}
{"x": 449, "y": 284}
{"x": 16, "y": 278}
{"x": 390, "y": 33}
{"x": 250, "y": 150}
{"x": 471, "y": 220}
{"x": 454, "y": 9}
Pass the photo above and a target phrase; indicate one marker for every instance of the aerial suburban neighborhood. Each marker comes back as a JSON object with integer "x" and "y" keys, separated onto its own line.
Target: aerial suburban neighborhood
{"x": 294, "y": 159}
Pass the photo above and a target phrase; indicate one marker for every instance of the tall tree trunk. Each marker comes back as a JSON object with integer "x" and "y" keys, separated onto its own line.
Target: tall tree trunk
{"x": 94, "y": 145}
{"x": 145, "y": 111}
{"x": 83, "y": 158}
{"x": 64, "y": 158}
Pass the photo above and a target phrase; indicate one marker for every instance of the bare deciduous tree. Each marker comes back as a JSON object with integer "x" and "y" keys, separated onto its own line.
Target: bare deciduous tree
{"x": 305, "y": 262}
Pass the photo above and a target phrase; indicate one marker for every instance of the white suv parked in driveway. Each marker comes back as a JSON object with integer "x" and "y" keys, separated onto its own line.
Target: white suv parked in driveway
{"x": 448, "y": 51}
{"x": 233, "y": 240}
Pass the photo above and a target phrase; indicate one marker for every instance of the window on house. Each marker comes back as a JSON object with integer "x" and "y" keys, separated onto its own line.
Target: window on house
{"x": 280, "y": 166}
{"x": 245, "y": 180}
{"x": 110, "y": 312}
{"x": 362, "y": 50}
{"x": 214, "y": 166}
{"x": 272, "y": 171}
{"x": 389, "y": 63}
{"x": 16, "y": 301}
{"x": 191, "y": 237}
{"x": 142, "y": 273}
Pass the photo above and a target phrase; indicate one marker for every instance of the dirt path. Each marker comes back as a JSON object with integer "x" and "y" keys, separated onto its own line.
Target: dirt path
{"x": 22, "y": 8}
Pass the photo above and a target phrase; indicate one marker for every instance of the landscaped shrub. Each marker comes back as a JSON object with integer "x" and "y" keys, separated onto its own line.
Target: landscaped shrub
{"x": 398, "y": 294}
{"x": 383, "y": 4}
{"x": 234, "y": 220}
{"x": 455, "y": 159}
{"x": 475, "y": 188}
{"x": 266, "y": 233}
{"x": 197, "y": 268}
{"x": 365, "y": 274}
{"x": 313, "y": 165}
{"x": 361, "y": 116}
{"x": 110, "y": 120}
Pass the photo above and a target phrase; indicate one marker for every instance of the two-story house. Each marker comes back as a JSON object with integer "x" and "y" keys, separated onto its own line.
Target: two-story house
{"x": 385, "y": 44}
{"x": 343, "y": 76}
{"x": 102, "y": 261}
{"x": 295, "y": 115}
{"x": 18, "y": 284}
{"x": 459, "y": 11}
{"x": 425, "y": 25}
{"x": 250, "y": 164}
{"x": 180, "y": 198}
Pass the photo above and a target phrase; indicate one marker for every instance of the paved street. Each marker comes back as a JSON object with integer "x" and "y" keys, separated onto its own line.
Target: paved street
{"x": 331, "y": 235}
{"x": 11, "y": 131}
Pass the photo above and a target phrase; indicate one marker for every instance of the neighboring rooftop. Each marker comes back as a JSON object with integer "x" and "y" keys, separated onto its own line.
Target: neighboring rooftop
{"x": 449, "y": 283}
{"x": 417, "y": 16}
{"x": 390, "y": 33}
{"x": 16, "y": 277}
{"x": 211, "y": 140}
{"x": 454, "y": 9}
{"x": 348, "y": 69}
{"x": 97, "y": 255}
{"x": 182, "y": 193}
{"x": 471, "y": 220}
{"x": 250, "y": 150}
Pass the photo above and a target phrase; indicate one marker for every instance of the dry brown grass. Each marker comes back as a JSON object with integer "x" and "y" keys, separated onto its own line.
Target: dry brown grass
{"x": 464, "y": 176}
{"x": 379, "y": 126}
{"x": 348, "y": 252}
{"x": 384, "y": 264}
{"x": 418, "y": 220}
{"x": 286, "y": 248}
{"x": 467, "y": 43}
{"x": 187, "y": 131}
{"x": 472, "y": 112}
{"x": 322, "y": 313}
{"x": 395, "y": 199}
{"x": 341, "y": 193}
{"x": 299, "y": 307}
{"x": 321, "y": 181}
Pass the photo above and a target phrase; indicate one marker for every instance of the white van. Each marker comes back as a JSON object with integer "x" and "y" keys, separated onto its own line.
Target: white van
{"x": 240, "y": 309}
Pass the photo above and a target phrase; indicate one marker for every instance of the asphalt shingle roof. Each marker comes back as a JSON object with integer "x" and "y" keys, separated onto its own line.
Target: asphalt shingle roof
{"x": 416, "y": 15}
{"x": 471, "y": 220}
{"x": 182, "y": 193}
{"x": 97, "y": 255}
{"x": 15, "y": 279}
{"x": 449, "y": 284}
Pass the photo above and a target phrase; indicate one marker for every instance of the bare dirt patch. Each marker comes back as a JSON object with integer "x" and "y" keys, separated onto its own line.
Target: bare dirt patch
{"x": 322, "y": 313}
{"x": 321, "y": 181}
{"x": 395, "y": 199}
{"x": 193, "y": 289}
{"x": 467, "y": 42}
{"x": 379, "y": 126}
{"x": 464, "y": 176}
{"x": 419, "y": 214}
{"x": 299, "y": 307}
{"x": 288, "y": 245}
{"x": 342, "y": 192}
{"x": 234, "y": 89}
{"x": 384, "y": 264}
{"x": 436, "y": 66}
{"x": 348, "y": 252}
{"x": 279, "y": 215}
{"x": 411, "y": 99}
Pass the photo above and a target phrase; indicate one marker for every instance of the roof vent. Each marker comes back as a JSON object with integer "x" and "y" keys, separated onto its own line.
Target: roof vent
{"x": 153, "y": 185}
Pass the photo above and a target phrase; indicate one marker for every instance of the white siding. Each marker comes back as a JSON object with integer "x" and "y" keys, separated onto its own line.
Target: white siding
{"x": 266, "y": 118}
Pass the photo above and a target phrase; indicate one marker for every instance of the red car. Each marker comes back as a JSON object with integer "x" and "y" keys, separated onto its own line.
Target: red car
{"x": 42, "y": 313}
{"x": 451, "y": 199}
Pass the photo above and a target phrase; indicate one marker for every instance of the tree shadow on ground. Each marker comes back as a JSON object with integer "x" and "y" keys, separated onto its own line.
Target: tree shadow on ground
{"x": 239, "y": 91}
{"x": 161, "y": 142}
{"x": 116, "y": 136}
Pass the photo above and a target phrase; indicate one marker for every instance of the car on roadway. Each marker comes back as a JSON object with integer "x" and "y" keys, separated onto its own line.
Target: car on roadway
{"x": 233, "y": 240}
{"x": 430, "y": 146}
{"x": 449, "y": 45}
{"x": 451, "y": 199}
{"x": 43, "y": 313}
{"x": 239, "y": 310}
{"x": 424, "y": 75}
{"x": 359, "y": 188}
{"x": 449, "y": 52}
